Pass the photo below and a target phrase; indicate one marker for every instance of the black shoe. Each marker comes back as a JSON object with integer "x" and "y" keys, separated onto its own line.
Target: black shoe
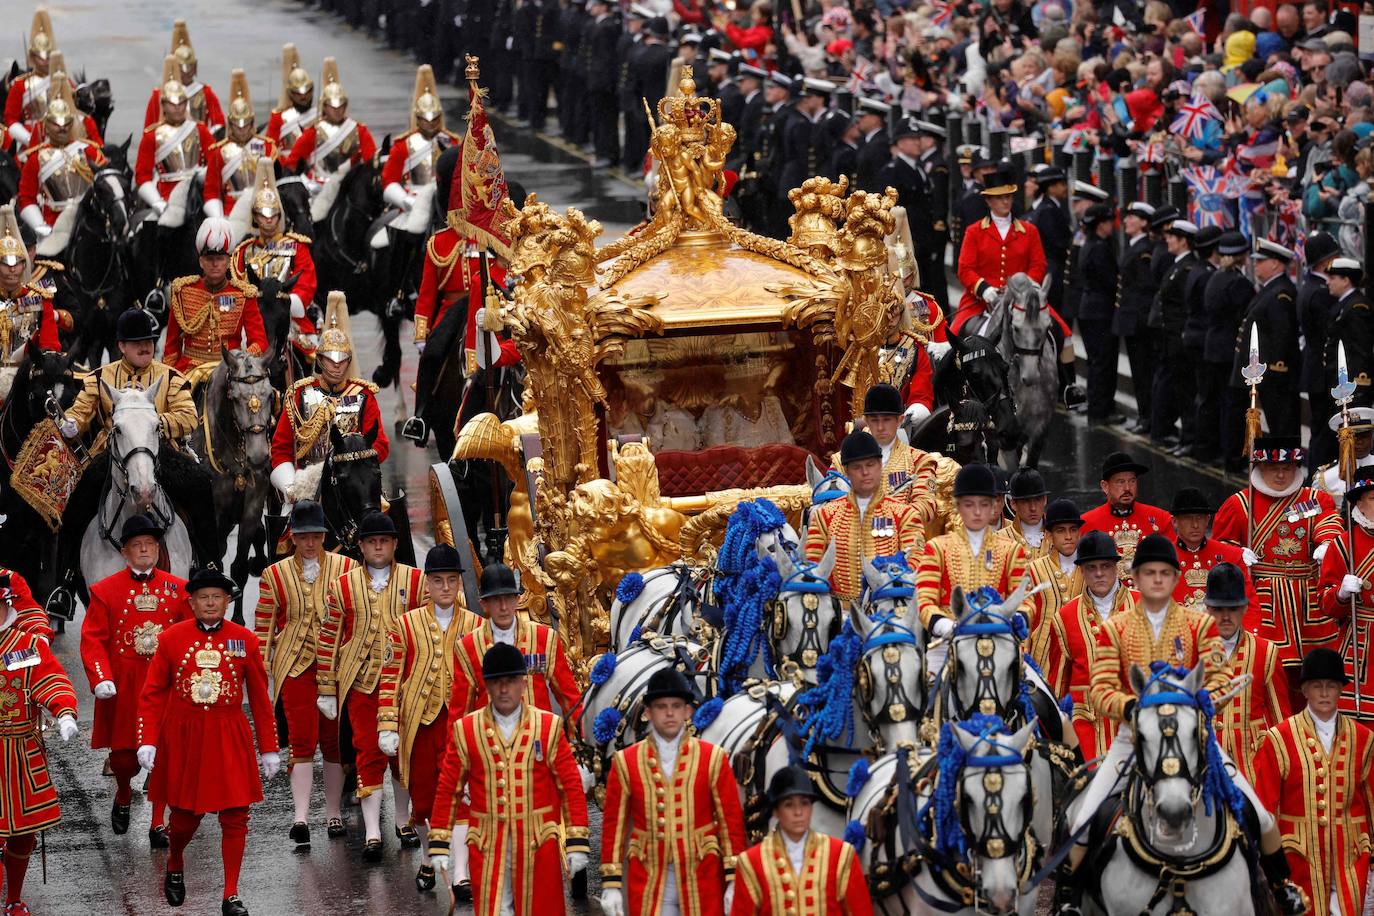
{"x": 174, "y": 888}
{"x": 462, "y": 892}
{"x": 119, "y": 819}
{"x": 372, "y": 851}
{"x": 409, "y": 837}
{"x": 1183, "y": 451}
{"x": 157, "y": 837}
{"x": 233, "y": 906}
{"x": 335, "y": 828}
{"x": 1139, "y": 428}
{"x": 1165, "y": 442}
{"x": 424, "y": 878}
{"x": 300, "y": 833}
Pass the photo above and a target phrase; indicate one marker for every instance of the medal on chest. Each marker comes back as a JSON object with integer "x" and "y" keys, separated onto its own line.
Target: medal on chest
{"x": 882, "y": 526}
{"x": 225, "y": 303}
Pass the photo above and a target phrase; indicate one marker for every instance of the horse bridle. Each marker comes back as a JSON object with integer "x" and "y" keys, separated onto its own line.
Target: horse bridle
{"x": 120, "y": 460}
{"x": 804, "y": 582}
{"x": 888, "y": 636}
{"x": 112, "y": 264}
{"x": 254, "y": 429}
{"x": 1171, "y": 762}
{"x": 995, "y": 841}
{"x": 346, "y": 533}
{"x": 986, "y": 634}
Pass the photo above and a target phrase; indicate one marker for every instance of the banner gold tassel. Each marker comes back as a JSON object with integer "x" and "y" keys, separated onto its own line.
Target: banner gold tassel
{"x": 1252, "y": 427}
{"x": 1345, "y": 437}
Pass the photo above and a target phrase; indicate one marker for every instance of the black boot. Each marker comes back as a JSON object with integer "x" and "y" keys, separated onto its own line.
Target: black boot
{"x": 233, "y": 906}
{"x": 119, "y": 819}
{"x": 1286, "y": 894}
{"x": 174, "y": 888}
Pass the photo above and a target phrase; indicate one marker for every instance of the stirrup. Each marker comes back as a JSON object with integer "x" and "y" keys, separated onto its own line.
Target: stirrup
{"x": 416, "y": 430}
{"x": 60, "y": 604}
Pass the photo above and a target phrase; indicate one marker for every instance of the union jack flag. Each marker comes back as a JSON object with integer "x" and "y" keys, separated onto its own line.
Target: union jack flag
{"x": 1193, "y": 116}
{"x": 1194, "y": 20}
{"x": 862, "y": 72}
{"x": 944, "y": 13}
{"x": 1208, "y": 193}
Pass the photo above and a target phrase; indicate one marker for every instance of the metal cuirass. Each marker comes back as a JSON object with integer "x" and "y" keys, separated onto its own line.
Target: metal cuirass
{"x": 35, "y": 98}
{"x": 67, "y": 177}
{"x": 197, "y": 109}
{"x": 273, "y": 258}
{"x": 421, "y": 167}
{"x": 293, "y": 122}
{"x": 184, "y": 156}
{"x": 247, "y": 155}
{"x": 343, "y": 151}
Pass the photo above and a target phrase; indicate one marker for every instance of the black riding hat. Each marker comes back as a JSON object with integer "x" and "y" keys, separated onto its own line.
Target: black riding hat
{"x": 669, "y": 684}
{"x": 1062, "y": 512}
{"x": 208, "y": 577}
{"x": 307, "y": 517}
{"x": 443, "y": 558}
{"x": 1323, "y": 665}
{"x": 135, "y": 525}
{"x": 374, "y": 524}
{"x": 1226, "y": 586}
{"x": 1096, "y": 545}
{"x": 788, "y": 782}
{"x": 497, "y": 579}
{"x": 503, "y": 660}
{"x": 1027, "y": 483}
{"x": 135, "y": 324}
{"x": 882, "y": 400}
{"x": 858, "y": 446}
{"x": 1155, "y": 548}
{"x": 1117, "y": 462}
{"x": 976, "y": 480}
{"x": 1191, "y": 501}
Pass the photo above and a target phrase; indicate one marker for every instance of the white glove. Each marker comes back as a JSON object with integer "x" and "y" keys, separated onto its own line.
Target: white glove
{"x": 200, "y": 174}
{"x": 104, "y": 690}
{"x": 21, "y": 134}
{"x": 917, "y": 412}
{"x": 328, "y": 707}
{"x": 441, "y": 864}
{"x": 271, "y": 765}
{"x": 419, "y": 346}
{"x": 487, "y": 344}
{"x": 146, "y": 754}
{"x": 69, "y": 427}
{"x": 1350, "y": 586}
{"x": 389, "y": 742}
{"x": 283, "y": 476}
{"x": 213, "y": 208}
{"x": 33, "y": 215}
{"x": 729, "y": 896}
{"x": 576, "y": 862}
{"x": 1320, "y": 552}
{"x": 297, "y": 307}
{"x": 938, "y": 348}
{"x": 66, "y": 728}
{"x": 1248, "y": 556}
{"x": 613, "y": 902}
{"x": 396, "y": 196}
{"x": 149, "y": 194}
{"x": 588, "y": 780}
{"x": 990, "y": 295}
{"x": 942, "y": 627}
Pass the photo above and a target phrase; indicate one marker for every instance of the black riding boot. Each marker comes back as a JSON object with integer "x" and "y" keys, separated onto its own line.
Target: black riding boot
{"x": 1286, "y": 893}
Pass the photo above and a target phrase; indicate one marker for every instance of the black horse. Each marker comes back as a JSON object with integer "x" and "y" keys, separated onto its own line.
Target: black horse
{"x": 96, "y": 258}
{"x": 274, "y": 303}
{"x": 973, "y": 370}
{"x": 96, "y": 99}
{"x": 350, "y": 487}
{"x": 159, "y": 254}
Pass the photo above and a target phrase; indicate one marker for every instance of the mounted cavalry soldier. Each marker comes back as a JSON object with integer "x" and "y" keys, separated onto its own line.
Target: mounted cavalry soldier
{"x": 213, "y": 312}
{"x": 334, "y": 140}
{"x": 291, "y": 605}
{"x": 332, "y": 397}
{"x": 295, "y": 110}
{"x": 910, "y": 472}
{"x": 127, "y": 613}
{"x": 26, "y": 309}
{"x": 231, "y": 168}
{"x": 174, "y": 148}
{"x": 28, "y": 93}
{"x": 204, "y": 104}
{"x": 408, "y": 175}
{"x": 412, "y": 708}
{"x": 59, "y": 171}
{"x": 272, "y": 252}
{"x": 39, "y": 134}
{"x": 865, "y": 523}
{"x": 674, "y": 800}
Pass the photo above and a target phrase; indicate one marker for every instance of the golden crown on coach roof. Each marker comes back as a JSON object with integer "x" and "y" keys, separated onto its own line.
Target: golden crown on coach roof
{"x": 688, "y": 113}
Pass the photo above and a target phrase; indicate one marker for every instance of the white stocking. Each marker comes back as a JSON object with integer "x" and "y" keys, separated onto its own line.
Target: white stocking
{"x": 422, "y": 829}
{"x": 372, "y": 815}
{"x": 333, "y": 789}
{"x": 402, "y": 796}
{"x": 458, "y": 853}
{"x": 302, "y": 777}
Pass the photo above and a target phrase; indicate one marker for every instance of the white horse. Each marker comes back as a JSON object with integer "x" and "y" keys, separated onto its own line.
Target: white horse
{"x": 1021, "y": 327}
{"x": 805, "y": 616}
{"x": 1174, "y": 814}
{"x": 133, "y": 488}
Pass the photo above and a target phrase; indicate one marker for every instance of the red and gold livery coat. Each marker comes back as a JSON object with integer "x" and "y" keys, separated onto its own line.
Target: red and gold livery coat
{"x": 353, "y": 637}
{"x": 191, "y": 710}
{"x": 1060, "y": 589}
{"x": 84, "y": 155}
{"x": 418, "y": 673}
{"x": 1071, "y": 650}
{"x": 29, "y": 614}
{"x": 1287, "y": 529}
{"x": 988, "y": 260}
{"x": 910, "y": 477}
{"x": 1194, "y": 566}
{"x": 1258, "y": 707}
{"x": 1127, "y": 529}
{"x": 550, "y": 674}
{"x": 449, "y": 278}
{"x": 290, "y": 613}
{"x": 689, "y": 819}
{"x": 303, "y": 428}
{"x": 949, "y": 561}
{"x": 201, "y": 321}
{"x": 1322, "y": 802}
{"x": 831, "y": 881}
{"x": 29, "y": 314}
{"x": 119, "y": 638}
{"x": 31, "y": 679}
{"x": 524, "y": 791}
{"x": 1186, "y": 638}
{"x": 1012, "y": 531}
{"x": 889, "y": 526}
{"x": 1357, "y": 630}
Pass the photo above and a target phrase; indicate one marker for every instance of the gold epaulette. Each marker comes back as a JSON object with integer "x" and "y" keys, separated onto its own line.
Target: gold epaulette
{"x": 153, "y": 126}
{"x": 179, "y": 282}
{"x": 244, "y": 286}
{"x": 48, "y": 265}
{"x": 297, "y": 385}
{"x": 297, "y": 237}
{"x": 42, "y": 291}
{"x": 364, "y": 383}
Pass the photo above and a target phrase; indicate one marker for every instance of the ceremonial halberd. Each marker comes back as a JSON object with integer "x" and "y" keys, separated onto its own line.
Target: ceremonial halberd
{"x": 679, "y": 369}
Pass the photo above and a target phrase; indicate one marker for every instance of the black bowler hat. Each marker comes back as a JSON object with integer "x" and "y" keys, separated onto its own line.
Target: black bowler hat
{"x": 1190, "y": 501}
{"x": 1096, "y": 545}
{"x": 208, "y": 577}
{"x": 657, "y": 26}
{"x": 135, "y": 324}
{"x": 976, "y": 480}
{"x": 883, "y": 401}
{"x": 1323, "y": 665}
{"x": 1226, "y": 586}
{"x": 1277, "y": 450}
{"x": 1117, "y": 462}
{"x": 307, "y": 517}
{"x": 1163, "y": 217}
{"x": 503, "y": 660}
{"x": 497, "y": 579}
{"x": 1232, "y": 243}
{"x": 375, "y": 523}
{"x": 1155, "y": 548}
{"x": 858, "y": 446}
{"x": 135, "y": 525}
{"x": 1049, "y": 175}
{"x": 669, "y": 684}
{"x": 441, "y": 559}
{"x": 787, "y": 782}
{"x": 1027, "y": 483}
{"x": 1062, "y": 512}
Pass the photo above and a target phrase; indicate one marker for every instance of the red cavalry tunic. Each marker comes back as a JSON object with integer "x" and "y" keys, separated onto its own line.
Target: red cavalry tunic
{"x": 550, "y": 674}
{"x": 145, "y": 166}
{"x": 19, "y": 104}
{"x": 355, "y": 398}
{"x": 988, "y": 260}
{"x": 1357, "y": 632}
{"x": 199, "y": 320}
{"x": 690, "y": 821}
{"x": 31, "y": 298}
{"x": 448, "y": 277}
{"x": 192, "y": 712}
{"x": 1322, "y": 802}
{"x": 1194, "y": 566}
{"x": 33, "y": 679}
{"x": 277, "y": 124}
{"x": 286, "y": 254}
{"x": 304, "y": 148}
{"x": 31, "y": 187}
{"x": 523, "y": 791}
{"x": 1260, "y": 705}
{"x": 394, "y": 170}
{"x": 1287, "y": 530}
{"x": 831, "y": 880}
{"x": 119, "y": 637}
{"x": 257, "y": 146}
{"x": 1070, "y": 652}
{"x": 40, "y": 135}
{"x": 1128, "y": 529}
{"x": 212, "y": 116}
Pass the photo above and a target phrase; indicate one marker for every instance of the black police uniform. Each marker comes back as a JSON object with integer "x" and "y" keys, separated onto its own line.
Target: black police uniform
{"x": 1051, "y": 219}
{"x": 536, "y": 31}
{"x": 874, "y": 153}
{"x": 1095, "y": 274}
{"x": 649, "y": 79}
{"x": 1316, "y": 307}
{"x": 1352, "y": 323}
{"x": 1137, "y": 290}
{"x": 931, "y": 258}
{"x": 1175, "y": 383}
{"x": 636, "y": 142}
{"x": 806, "y": 150}
{"x": 572, "y": 93}
{"x": 1274, "y": 309}
{"x": 1194, "y": 341}
{"x": 1221, "y": 411}
{"x": 600, "y": 42}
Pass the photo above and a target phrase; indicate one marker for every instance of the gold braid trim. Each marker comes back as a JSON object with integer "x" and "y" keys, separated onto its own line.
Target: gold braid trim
{"x": 187, "y": 328}
{"x": 445, "y": 263}
{"x": 308, "y": 431}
